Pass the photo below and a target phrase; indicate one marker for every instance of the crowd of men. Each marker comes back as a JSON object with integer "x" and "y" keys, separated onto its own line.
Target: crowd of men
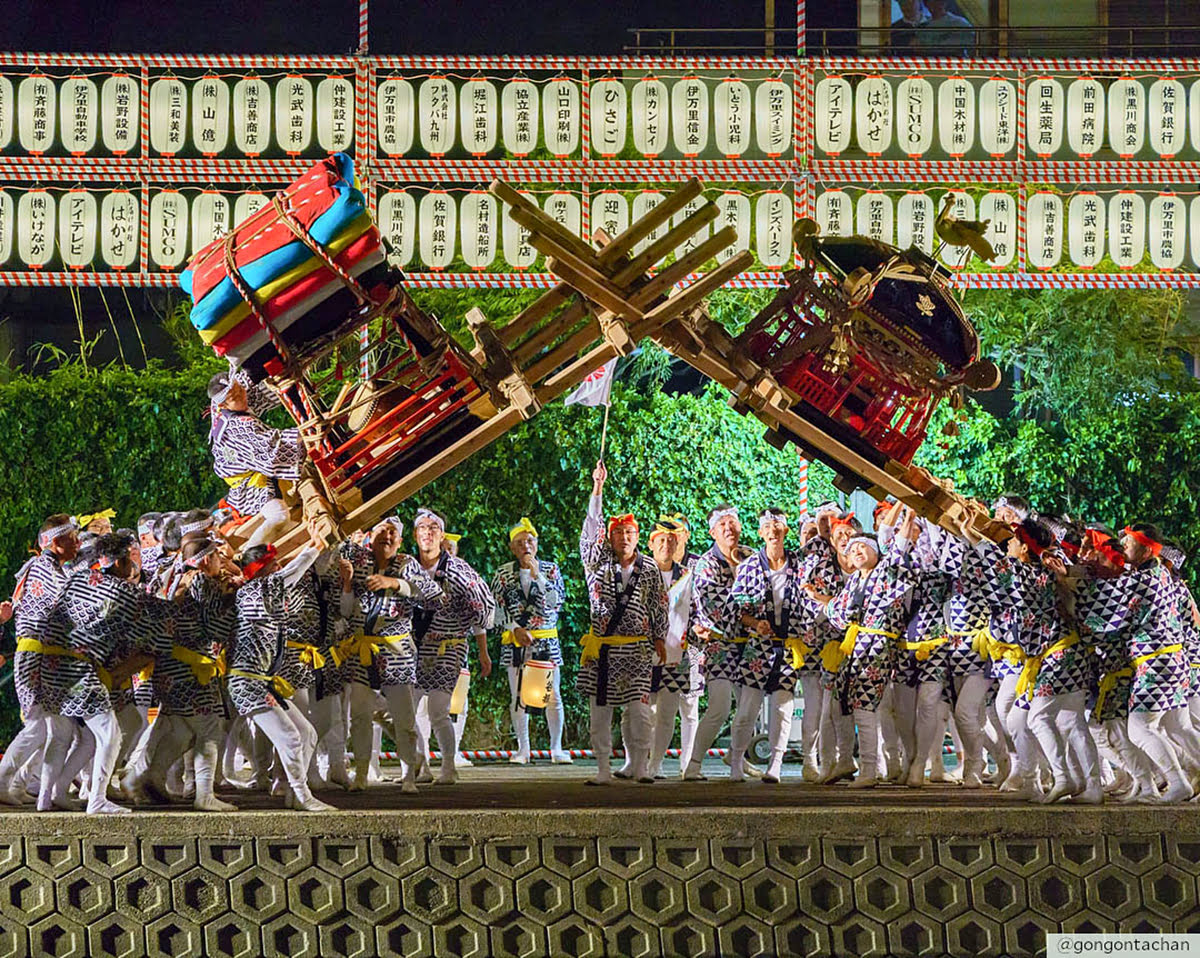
{"x": 1067, "y": 655}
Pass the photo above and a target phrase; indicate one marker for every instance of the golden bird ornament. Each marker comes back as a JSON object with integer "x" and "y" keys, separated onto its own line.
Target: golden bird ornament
{"x": 956, "y": 232}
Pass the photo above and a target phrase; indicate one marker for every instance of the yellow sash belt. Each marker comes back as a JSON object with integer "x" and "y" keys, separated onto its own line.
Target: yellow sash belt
{"x": 1033, "y": 663}
{"x": 204, "y": 667}
{"x": 277, "y": 682}
{"x": 255, "y": 480}
{"x": 1009, "y": 651}
{"x": 800, "y": 651}
{"x": 836, "y": 651}
{"x": 310, "y": 655}
{"x": 925, "y": 648}
{"x": 1109, "y": 681}
{"x": 981, "y": 640}
{"x": 45, "y": 648}
{"x": 507, "y": 637}
{"x": 366, "y": 647}
{"x": 449, "y": 644}
{"x": 592, "y": 642}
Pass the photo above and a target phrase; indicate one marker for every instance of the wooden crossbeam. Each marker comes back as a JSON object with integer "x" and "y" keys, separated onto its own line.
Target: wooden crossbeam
{"x": 595, "y": 287}
{"x": 683, "y": 301}
{"x": 676, "y": 236}
{"x": 682, "y": 268}
{"x": 624, "y": 242}
{"x": 522, "y": 209}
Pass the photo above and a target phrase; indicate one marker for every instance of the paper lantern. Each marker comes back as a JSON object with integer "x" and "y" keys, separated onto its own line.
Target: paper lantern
{"x": 835, "y": 213}
{"x": 210, "y": 115}
{"x": 1126, "y": 116}
{"x": 689, "y": 115}
{"x": 519, "y": 116}
{"x": 1194, "y": 115}
{"x": 696, "y": 238}
{"x": 168, "y": 229}
{"x": 537, "y": 684}
{"x": 914, "y": 222}
{"x": 731, "y": 117}
{"x": 610, "y": 116}
{"x": 963, "y": 209}
{"x": 246, "y": 205}
{"x": 873, "y": 216}
{"x": 398, "y": 225}
{"x": 77, "y": 222}
{"x": 8, "y": 110}
{"x": 610, "y": 212}
{"x": 1167, "y": 116}
{"x": 773, "y": 117}
{"x": 914, "y": 116}
{"x": 251, "y": 115}
{"x": 211, "y": 218}
{"x": 335, "y": 114}
{"x": 566, "y": 210}
{"x": 1194, "y": 229}
{"x": 478, "y": 228}
{"x": 168, "y": 115}
{"x": 1085, "y": 116}
{"x": 458, "y": 698}
{"x": 735, "y": 211}
{"x": 1127, "y": 229}
{"x": 650, "y": 116}
{"x": 1044, "y": 116}
{"x": 120, "y": 113}
{"x": 394, "y": 115}
{"x": 643, "y": 203}
{"x": 873, "y": 115}
{"x": 37, "y": 116}
{"x": 6, "y": 226}
{"x": 560, "y": 116}
{"x": 477, "y": 116}
{"x": 294, "y": 114}
{"x": 1085, "y": 229}
{"x": 773, "y": 229}
{"x": 997, "y": 116}
{"x": 1167, "y": 231}
{"x": 35, "y": 228}
{"x": 956, "y": 115}
{"x": 436, "y": 101}
{"x": 437, "y": 227}
{"x": 832, "y": 115}
{"x": 1000, "y": 209}
{"x": 1043, "y": 230}
{"x": 514, "y": 238}
{"x": 119, "y": 229}
{"x": 79, "y": 114}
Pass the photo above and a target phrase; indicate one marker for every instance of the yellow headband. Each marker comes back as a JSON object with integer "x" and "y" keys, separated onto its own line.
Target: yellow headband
{"x": 523, "y": 526}
{"x": 86, "y": 520}
{"x": 452, "y": 536}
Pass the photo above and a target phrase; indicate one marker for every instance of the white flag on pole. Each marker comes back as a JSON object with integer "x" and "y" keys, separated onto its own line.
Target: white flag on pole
{"x": 594, "y": 390}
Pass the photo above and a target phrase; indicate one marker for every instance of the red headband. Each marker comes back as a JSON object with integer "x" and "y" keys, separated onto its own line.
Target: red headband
{"x": 254, "y": 568}
{"x": 625, "y": 520}
{"x": 843, "y": 521}
{"x": 1070, "y": 548}
{"x": 1143, "y": 540}
{"x": 1111, "y": 553}
{"x": 1028, "y": 540}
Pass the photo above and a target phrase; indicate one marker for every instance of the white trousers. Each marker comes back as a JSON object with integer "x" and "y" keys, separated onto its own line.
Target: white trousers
{"x": 779, "y": 727}
{"x": 274, "y": 514}
{"x": 600, "y": 720}
{"x": 402, "y": 707}
{"x": 1159, "y": 735}
{"x": 328, "y": 718}
{"x": 902, "y": 731}
{"x": 294, "y": 740}
{"x": 720, "y": 700}
{"x": 670, "y": 704}
{"x": 968, "y": 719}
{"x": 1059, "y": 724}
{"x": 520, "y": 717}
{"x": 28, "y": 742}
{"x": 174, "y": 735}
{"x": 810, "y": 719}
{"x": 441, "y": 726}
{"x": 105, "y": 733}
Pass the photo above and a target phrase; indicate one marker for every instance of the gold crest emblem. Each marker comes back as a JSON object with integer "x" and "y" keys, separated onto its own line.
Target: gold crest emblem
{"x": 925, "y": 305}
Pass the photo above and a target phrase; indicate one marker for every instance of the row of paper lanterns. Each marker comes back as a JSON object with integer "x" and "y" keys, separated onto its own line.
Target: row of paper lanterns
{"x": 1082, "y": 228}
{"x": 1124, "y": 115}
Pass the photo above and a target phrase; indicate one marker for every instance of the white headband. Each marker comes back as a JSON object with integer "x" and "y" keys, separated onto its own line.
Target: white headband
{"x": 194, "y": 561}
{"x": 198, "y": 526}
{"x": 424, "y": 515}
{"x": 772, "y": 518}
{"x": 221, "y": 396}
{"x": 864, "y": 541}
{"x": 392, "y": 521}
{"x": 721, "y": 514}
{"x": 145, "y": 528}
{"x": 51, "y": 534}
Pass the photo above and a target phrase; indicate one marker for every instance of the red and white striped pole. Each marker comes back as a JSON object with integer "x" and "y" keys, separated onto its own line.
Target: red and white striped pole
{"x": 802, "y": 497}
{"x": 362, "y": 26}
{"x": 364, "y": 352}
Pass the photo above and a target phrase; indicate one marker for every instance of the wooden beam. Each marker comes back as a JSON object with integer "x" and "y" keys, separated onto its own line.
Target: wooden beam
{"x": 562, "y": 324}
{"x": 681, "y": 269}
{"x": 533, "y": 217}
{"x": 595, "y": 287}
{"x": 640, "y": 229}
{"x": 685, "y": 300}
{"x": 547, "y": 364}
{"x": 676, "y": 236}
{"x": 534, "y": 313}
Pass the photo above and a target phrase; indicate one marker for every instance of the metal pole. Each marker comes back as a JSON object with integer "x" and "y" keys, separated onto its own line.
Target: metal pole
{"x": 769, "y": 36}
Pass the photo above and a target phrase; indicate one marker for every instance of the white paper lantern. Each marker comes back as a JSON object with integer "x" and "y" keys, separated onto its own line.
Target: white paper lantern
{"x": 832, "y": 114}
{"x": 120, "y": 113}
{"x": 956, "y": 115}
{"x": 873, "y": 216}
{"x": 1044, "y": 116}
{"x": 478, "y": 228}
{"x": 294, "y": 113}
{"x": 168, "y": 229}
{"x": 252, "y": 115}
{"x": 8, "y": 112}
{"x": 1194, "y": 114}
{"x": 211, "y": 218}
{"x": 335, "y": 114}
{"x": 436, "y": 112}
{"x": 873, "y": 115}
{"x": 735, "y": 211}
{"x": 1126, "y": 116}
{"x": 650, "y": 116}
{"x": 514, "y": 238}
{"x": 914, "y": 221}
{"x": 997, "y": 116}
{"x": 437, "y": 227}
{"x": 119, "y": 229}
{"x": 610, "y": 116}
{"x": 519, "y": 116}
{"x": 398, "y": 225}
{"x": 914, "y": 116}
{"x": 35, "y": 228}
{"x": 1167, "y": 116}
{"x": 77, "y": 220}
{"x": 1127, "y": 229}
{"x": 1044, "y": 229}
{"x": 210, "y": 115}
{"x": 560, "y": 116}
{"x": 246, "y": 205}
{"x": 963, "y": 209}
{"x": 37, "y": 114}
{"x": 1194, "y": 229}
{"x": 731, "y": 117}
{"x": 689, "y": 115}
{"x": 610, "y": 212}
{"x": 7, "y": 222}
{"x": 394, "y": 113}
{"x": 643, "y": 203}
{"x": 168, "y": 115}
{"x": 79, "y": 115}
{"x": 773, "y": 117}
{"x": 566, "y": 210}
{"x": 1167, "y": 231}
{"x": 1086, "y": 217}
{"x": 478, "y": 124}
{"x": 1000, "y": 209}
{"x": 696, "y": 238}
{"x": 835, "y": 213}
{"x": 1085, "y": 116}
{"x": 773, "y": 229}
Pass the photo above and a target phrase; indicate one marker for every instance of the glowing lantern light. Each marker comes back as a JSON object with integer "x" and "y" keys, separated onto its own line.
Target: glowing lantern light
{"x": 35, "y": 228}
{"x": 643, "y": 203}
{"x": 1167, "y": 224}
{"x": 519, "y": 116}
{"x": 210, "y": 115}
{"x": 168, "y": 229}
{"x": 696, "y": 238}
{"x": 478, "y": 229}
{"x": 79, "y": 101}
{"x": 1001, "y": 209}
{"x": 1044, "y": 120}
{"x": 251, "y": 115}
{"x": 610, "y": 116}
{"x": 689, "y": 115}
{"x": 8, "y": 109}
{"x": 119, "y": 229}
{"x": 914, "y": 221}
{"x": 956, "y": 115}
{"x": 773, "y": 117}
{"x": 477, "y": 116}
{"x": 731, "y": 117}
{"x": 560, "y": 116}
{"x": 1127, "y": 229}
{"x": 1043, "y": 218}
{"x": 773, "y": 228}
{"x": 211, "y": 215}
{"x": 873, "y": 216}
{"x": 1167, "y": 117}
{"x": 168, "y": 115}
{"x": 335, "y": 114}
{"x": 1194, "y": 228}
{"x": 963, "y": 209}
{"x": 735, "y": 211}
{"x": 1085, "y": 116}
{"x": 398, "y": 225}
{"x": 610, "y": 212}
{"x": 1085, "y": 229}
{"x": 1126, "y": 116}
{"x": 873, "y": 115}
{"x": 537, "y": 684}
{"x": 436, "y": 111}
{"x": 518, "y": 252}
{"x": 437, "y": 227}
{"x": 37, "y": 115}
{"x": 835, "y": 213}
{"x": 566, "y": 210}
{"x": 394, "y": 113}
{"x": 997, "y": 116}
{"x": 120, "y": 113}
{"x": 834, "y": 101}
{"x": 651, "y": 125}
{"x": 6, "y": 226}
{"x": 77, "y": 222}
{"x": 915, "y": 115}
{"x": 294, "y": 113}
{"x": 458, "y": 698}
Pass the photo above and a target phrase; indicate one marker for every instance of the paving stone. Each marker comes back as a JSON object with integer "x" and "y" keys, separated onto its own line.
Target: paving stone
{"x": 168, "y": 857}
{"x": 14, "y": 939}
{"x": 520, "y": 938}
{"x": 1022, "y": 856}
{"x": 405, "y": 938}
{"x": 1088, "y": 922}
{"x": 232, "y": 936}
{"x": 681, "y": 858}
{"x": 1056, "y": 893}
{"x": 58, "y": 936}
{"x": 455, "y": 857}
{"x": 1143, "y": 924}
{"x": 109, "y": 858}
{"x": 713, "y": 898}
{"x": 26, "y": 896}
{"x": 600, "y": 897}
{"x": 860, "y": 937}
{"x": 1110, "y": 891}
{"x": 998, "y": 894}
{"x": 769, "y": 896}
{"x": 140, "y": 895}
{"x": 825, "y": 896}
{"x": 689, "y": 940}
{"x": 939, "y": 893}
{"x": 487, "y": 896}
{"x": 849, "y": 856}
{"x": 793, "y": 858}
{"x": 1169, "y": 892}
{"x": 746, "y": 936}
{"x": 916, "y": 934}
{"x": 396, "y": 856}
{"x": 314, "y": 895}
{"x": 462, "y": 937}
{"x": 257, "y": 895}
{"x": 1079, "y": 855}
{"x": 429, "y": 896}
{"x": 802, "y": 938}
{"x": 543, "y": 895}
{"x": 84, "y": 896}
{"x": 372, "y": 895}
{"x": 631, "y": 937}
{"x": 172, "y": 936}
{"x": 342, "y": 856}
{"x": 348, "y": 936}
{"x": 199, "y": 896}
{"x": 964, "y": 857}
{"x": 569, "y": 857}
{"x": 1137, "y": 854}
{"x": 737, "y": 859}
{"x": 625, "y": 857}
{"x": 225, "y": 857}
{"x": 657, "y": 897}
{"x": 1026, "y": 936}
{"x": 284, "y": 857}
{"x": 512, "y": 857}
{"x": 290, "y": 937}
{"x": 974, "y": 935}
{"x": 115, "y": 936}
{"x": 12, "y": 854}
{"x": 906, "y": 856}
{"x": 574, "y": 937}
{"x": 51, "y": 857}
{"x": 1183, "y": 851}
{"x": 882, "y": 895}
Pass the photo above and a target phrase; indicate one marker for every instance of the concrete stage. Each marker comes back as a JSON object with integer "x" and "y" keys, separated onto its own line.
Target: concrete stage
{"x": 530, "y": 861}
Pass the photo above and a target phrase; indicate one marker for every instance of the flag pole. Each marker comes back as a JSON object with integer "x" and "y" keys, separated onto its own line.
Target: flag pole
{"x": 604, "y": 430}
